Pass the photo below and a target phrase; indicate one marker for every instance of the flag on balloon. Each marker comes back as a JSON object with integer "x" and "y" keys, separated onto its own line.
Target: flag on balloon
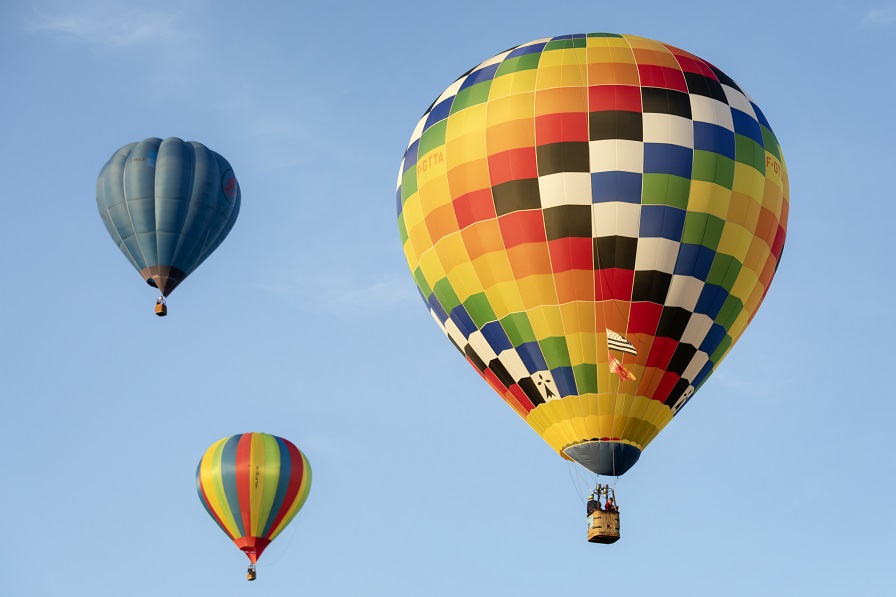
{"x": 617, "y": 342}
{"x": 617, "y": 368}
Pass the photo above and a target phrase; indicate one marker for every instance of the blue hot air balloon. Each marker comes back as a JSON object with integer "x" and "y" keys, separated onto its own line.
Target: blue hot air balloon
{"x": 167, "y": 205}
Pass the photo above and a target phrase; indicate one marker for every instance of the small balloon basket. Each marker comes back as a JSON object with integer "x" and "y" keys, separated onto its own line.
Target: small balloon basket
{"x": 603, "y": 527}
{"x": 603, "y": 519}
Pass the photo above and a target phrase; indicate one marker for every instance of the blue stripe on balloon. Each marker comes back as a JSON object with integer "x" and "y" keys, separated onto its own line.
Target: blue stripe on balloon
{"x": 615, "y": 186}
{"x": 666, "y": 158}
{"x": 530, "y": 354}
{"x": 410, "y": 156}
{"x": 713, "y": 338}
{"x": 437, "y": 308}
{"x": 565, "y": 381}
{"x": 486, "y": 73}
{"x": 463, "y": 321}
{"x": 497, "y": 339}
{"x": 705, "y": 371}
{"x": 694, "y": 261}
{"x": 761, "y": 117}
{"x": 712, "y": 299}
{"x": 228, "y": 479}
{"x": 662, "y": 221}
{"x": 438, "y": 113}
{"x": 176, "y": 181}
{"x": 212, "y": 166}
{"x": 714, "y": 138}
{"x": 530, "y": 49}
{"x": 746, "y": 125}
{"x": 282, "y": 485}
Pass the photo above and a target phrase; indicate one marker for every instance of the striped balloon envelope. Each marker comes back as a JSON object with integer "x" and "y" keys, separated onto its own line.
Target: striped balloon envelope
{"x": 167, "y": 205}
{"x": 593, "y": 220}
{"x": 253, "y": 485}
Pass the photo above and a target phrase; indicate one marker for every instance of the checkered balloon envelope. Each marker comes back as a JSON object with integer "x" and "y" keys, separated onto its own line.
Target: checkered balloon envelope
{"x": 593, "y": 220}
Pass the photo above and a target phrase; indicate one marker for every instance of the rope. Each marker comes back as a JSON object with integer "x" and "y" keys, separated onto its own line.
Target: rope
{"x": 578, "y": 479}
{"x": 282, "y": 552}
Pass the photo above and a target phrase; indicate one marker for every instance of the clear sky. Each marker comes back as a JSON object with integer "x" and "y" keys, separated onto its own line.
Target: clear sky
{"x": 776, "y": 479}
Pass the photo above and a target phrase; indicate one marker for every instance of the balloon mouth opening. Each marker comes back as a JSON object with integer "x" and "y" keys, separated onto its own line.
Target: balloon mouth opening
{"x": 164, "y": 277}
{"x": 604, "y": 457}
{"x": 252, "y": 546}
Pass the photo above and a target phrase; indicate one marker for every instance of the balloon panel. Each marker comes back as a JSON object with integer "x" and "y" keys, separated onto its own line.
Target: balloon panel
{"x": 576, "y": 188}
{"x": 167, "y": 205}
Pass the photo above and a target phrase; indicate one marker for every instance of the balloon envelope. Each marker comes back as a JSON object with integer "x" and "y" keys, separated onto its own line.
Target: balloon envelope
{"x": 593, "y": 220}
{"x": 253, "y": 485}
{"x": 167, "y": 205}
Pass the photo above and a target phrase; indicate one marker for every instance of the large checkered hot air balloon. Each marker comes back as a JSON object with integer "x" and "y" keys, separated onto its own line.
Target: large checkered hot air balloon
{"x": 167, "y": 205}
{"x": 253, "y": 485}
{"x": 593, "y": 220}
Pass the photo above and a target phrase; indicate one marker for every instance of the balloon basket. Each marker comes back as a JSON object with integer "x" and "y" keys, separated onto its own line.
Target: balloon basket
{"x": 161, "y": 309}
{"x": 603, "y": 526}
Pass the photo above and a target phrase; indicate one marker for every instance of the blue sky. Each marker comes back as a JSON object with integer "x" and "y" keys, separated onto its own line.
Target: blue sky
{"x": 777, "y": 478}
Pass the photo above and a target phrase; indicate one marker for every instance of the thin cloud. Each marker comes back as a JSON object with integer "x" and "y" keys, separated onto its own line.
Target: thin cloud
{"x": 161, "y": 38}
{"x": 760, "y": 386}
{"x": 881, "y": 15}
{"x": 114, "y": 25}
{"x": 333, "y": 292}
{"x": 382, "y": 292}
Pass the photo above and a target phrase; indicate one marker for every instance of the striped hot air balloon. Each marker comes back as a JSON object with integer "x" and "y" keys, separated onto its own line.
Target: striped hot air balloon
{"x": 253, "y": 485}
{"x": 593, "y": 220}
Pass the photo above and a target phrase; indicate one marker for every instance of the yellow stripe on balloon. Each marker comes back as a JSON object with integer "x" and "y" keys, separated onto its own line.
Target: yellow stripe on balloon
{"x": 214, "y": 488}
{"x": 270, "y": 480}
{"x": 257, "y": 463}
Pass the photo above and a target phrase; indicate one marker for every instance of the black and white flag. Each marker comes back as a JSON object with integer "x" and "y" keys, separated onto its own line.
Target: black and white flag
{"x": 617, "y": 342}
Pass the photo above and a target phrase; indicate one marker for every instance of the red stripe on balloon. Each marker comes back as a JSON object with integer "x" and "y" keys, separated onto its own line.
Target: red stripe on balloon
{"x": 691, "y": 64}
{"x": 521, "y": 397}
{"x": 473, "y": 207}
{"x": 522, "y": 227}
{"x": 571, "y": 253}
{"x": 242, "y": 474}
{"x": 296, "y": 473}
{"x": 644, "y": 318}
{"x": 662, "y": 76}
{"x": 513, "y": 164}
{"x": 778, "y": 244}
{"x": 614, "y": 97}
{"x": 562, "y": 127}
{"x": 665, "y": 387}
{"x": 613, "y": 283}
{"x": 661, "y": 352}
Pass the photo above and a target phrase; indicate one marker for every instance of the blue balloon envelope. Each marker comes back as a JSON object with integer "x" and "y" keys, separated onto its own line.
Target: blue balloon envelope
{"x": 167, "y": 205}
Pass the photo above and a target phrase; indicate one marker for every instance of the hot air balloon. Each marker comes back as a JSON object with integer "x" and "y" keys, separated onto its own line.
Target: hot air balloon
{"x": 593, "y": 220}
{"x": 167, "y": 205}
{"x": 253, "y": 485}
